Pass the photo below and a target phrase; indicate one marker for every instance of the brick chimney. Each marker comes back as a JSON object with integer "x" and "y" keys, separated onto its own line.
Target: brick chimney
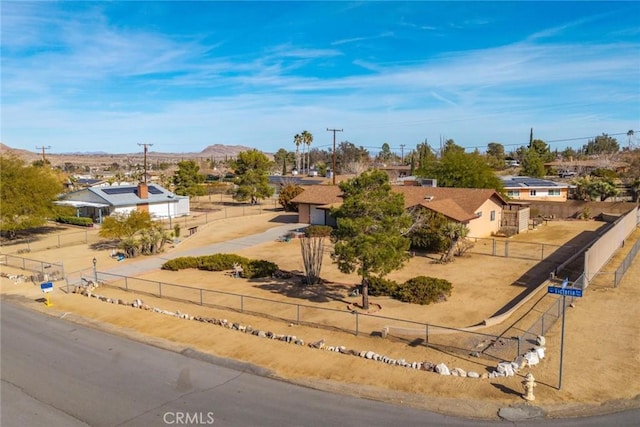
{"x": 143, "y": 190}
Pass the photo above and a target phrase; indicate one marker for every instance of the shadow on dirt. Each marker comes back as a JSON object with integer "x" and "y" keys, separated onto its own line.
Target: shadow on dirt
{"x": 293, "y": 288}
{"x": 540, "y": 272}
{"x": 30, "y": 235}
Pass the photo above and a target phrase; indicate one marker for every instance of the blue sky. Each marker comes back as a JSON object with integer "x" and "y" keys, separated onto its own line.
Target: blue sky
{"x": 106, "y": 76}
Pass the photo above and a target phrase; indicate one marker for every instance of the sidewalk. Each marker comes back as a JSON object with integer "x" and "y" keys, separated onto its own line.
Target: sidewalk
{"x": 152, "y": 263}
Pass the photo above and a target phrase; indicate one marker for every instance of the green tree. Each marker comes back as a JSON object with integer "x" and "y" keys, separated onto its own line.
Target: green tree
{"x": 603, "y": 144}
{"x": 453, "y": 232}
{"x": 27, "y": 194}
{"x": 427, "y": 234}
{"x": 122, "y": 226}
{"x": 543, "y": 150}
{"x": 188, "y": 179}
{"x": 463, "y": 170}
{"x": 385, "y": 153}
{"x": 252, "y": 176}
{"x": 589, "y": 189}
{"x": 282, "y": 159}
{"x": 307, "y": 139}
{"x": 532, "y": 164}
{"x": 371, "y": 223}
{"x": 495, "y": 155}
{"x": 287, "y": 193}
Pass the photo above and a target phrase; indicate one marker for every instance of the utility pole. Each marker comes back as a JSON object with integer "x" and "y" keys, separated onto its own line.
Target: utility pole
{"x": 44, "y": 159}
{"x": 333, "y": 167}
{"x": 402, "y": 153}
{"x": 531, "y": 138}
{"x": 145, "y": 160}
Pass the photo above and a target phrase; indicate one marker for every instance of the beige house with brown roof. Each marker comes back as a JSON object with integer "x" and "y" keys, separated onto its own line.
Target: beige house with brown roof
{"x": 479, "y": 209}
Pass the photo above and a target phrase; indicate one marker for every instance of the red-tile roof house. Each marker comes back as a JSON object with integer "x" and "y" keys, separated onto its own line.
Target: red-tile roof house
{"x": 479, "y": 209}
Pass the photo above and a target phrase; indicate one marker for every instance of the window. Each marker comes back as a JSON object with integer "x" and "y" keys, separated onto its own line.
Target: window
{"x": 479, "y": 214}
{"x": 532, "y": 192}
{"x": 554, "y": 192}
{"x": 514, "y": 194}
{"x": 493, "y": 215}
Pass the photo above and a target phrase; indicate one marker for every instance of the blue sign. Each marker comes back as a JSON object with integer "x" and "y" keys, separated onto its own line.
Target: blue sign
{"x": 567, "y": 292}
{"x": 46, "y": 286}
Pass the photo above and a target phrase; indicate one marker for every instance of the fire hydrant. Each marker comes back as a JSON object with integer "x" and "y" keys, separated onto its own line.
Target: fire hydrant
{"x": 529, "y": 383}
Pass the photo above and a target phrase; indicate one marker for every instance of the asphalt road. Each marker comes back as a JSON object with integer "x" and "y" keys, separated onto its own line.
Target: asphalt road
{"x": 59, "y": 373}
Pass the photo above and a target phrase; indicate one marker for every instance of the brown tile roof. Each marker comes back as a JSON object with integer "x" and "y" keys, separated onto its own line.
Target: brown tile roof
{"x": 459, "y": 204}
{"x": 319, "y": 195}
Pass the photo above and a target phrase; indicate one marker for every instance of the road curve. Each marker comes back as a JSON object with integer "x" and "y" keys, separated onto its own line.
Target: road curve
{"x": 59, "y": 373}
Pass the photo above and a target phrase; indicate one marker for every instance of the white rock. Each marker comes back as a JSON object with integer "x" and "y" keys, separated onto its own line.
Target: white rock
{"x": 541, "y": 341}
{"x": 540, "y": 351}
{"x": 506, "y": 369}
{"x": 472, "y": 374}
{"x": 520, "y": 362}
{"x": 442, "y": 369}
{"x": 369, "y": 354}
{"x": 532, "y": 358}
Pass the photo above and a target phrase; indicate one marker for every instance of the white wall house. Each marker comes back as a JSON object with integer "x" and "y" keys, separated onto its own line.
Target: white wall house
{"x": 98, "y": 202}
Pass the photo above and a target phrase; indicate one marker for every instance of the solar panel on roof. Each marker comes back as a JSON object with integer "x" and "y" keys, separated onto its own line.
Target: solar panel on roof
{"x": 154, "y": 190}
{"x": 119, "y": 190}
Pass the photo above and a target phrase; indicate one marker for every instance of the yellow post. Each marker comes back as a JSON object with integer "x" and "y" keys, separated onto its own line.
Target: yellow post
{"x": 47, "y": 302}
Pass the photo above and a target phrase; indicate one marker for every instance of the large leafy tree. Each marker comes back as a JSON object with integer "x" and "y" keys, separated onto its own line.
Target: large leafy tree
{"x": 532, "y": 164}
{"x": 371, "y": 223}
{"x": 496, "y": 155}
{"x": 252, "y": 176}
{"x": 603, "y": 144}
{"x": 27, "y": 194}
{"x": 188, "y": 179}
{"x": 462, "y": 170}
{"x": 284, "y": 158}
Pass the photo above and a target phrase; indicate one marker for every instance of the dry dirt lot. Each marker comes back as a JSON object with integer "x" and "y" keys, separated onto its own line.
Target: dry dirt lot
{"x": 602, "y": 344}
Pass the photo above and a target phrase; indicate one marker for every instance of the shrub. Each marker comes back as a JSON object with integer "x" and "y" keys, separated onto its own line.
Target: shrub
{"x": 379, "y": 287}
{"x": 256, "y": 269}
{"x": 180, "y": 263}
{"x": 423, "y": 290}
{"x": 220, "y": 262}
{"x": 74, "y": 220}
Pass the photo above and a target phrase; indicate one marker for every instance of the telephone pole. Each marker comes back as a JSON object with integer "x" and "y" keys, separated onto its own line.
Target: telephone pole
{"x": 44, "y": 159}
{"x": 402, "y": 153}
{"x": 333, "y": 167}
{"x": 145, "y": 160}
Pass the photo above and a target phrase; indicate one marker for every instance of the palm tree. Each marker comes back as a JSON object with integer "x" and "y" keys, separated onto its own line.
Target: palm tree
{"x": 307, "y": 139}
{"x": 297, "y": 139}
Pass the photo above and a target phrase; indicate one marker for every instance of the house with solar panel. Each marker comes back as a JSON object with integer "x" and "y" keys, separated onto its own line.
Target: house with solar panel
{"x": 524, "y": 188}
{"x": 99, "y": 202}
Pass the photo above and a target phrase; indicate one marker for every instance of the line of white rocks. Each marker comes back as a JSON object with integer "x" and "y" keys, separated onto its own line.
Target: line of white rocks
{"x": 503, "y": 369}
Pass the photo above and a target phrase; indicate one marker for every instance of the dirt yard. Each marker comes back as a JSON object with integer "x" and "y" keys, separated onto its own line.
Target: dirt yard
{"x": 602, "y": 344}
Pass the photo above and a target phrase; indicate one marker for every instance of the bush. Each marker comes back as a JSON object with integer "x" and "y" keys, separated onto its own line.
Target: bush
{"x": 74, "y": 220}
{"x": 220, "y": 262}
{"x": 423, "y": 290}
{"x": 256, "y": 269}
{"x": 180, "y": 263}
{"x": 379, "y": 287}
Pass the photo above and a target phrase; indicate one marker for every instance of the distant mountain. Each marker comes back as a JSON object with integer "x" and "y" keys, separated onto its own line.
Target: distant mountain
{"x": 6, "y": 150}
{"x": 222, "y": 150}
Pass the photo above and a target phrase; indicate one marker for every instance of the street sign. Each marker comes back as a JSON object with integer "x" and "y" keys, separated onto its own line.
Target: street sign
{"x": 567, "y": 292}
{"x": 46, "y": 286}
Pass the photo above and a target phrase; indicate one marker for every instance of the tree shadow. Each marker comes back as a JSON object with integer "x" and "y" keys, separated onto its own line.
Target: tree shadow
{"x": 31, "y": 234}
{"x": 294, "y": 287}
{"x": 104, "y": 245}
